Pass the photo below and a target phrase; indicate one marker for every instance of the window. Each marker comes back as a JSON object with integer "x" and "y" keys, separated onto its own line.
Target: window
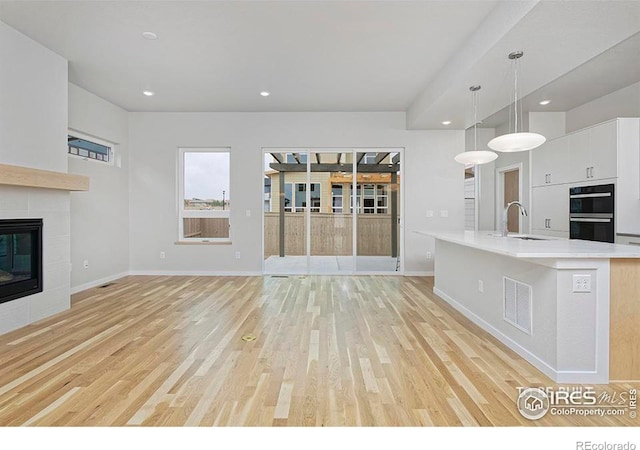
{"x": 204, "y": 196}
{"x": 301, "y": 158}
{"x": 372, "y": 199}
{"x": 336, "y": 198}
{"x": 295, "y": 197}
{"x": 370, "y": 158}
{"x": 89, "y": 148}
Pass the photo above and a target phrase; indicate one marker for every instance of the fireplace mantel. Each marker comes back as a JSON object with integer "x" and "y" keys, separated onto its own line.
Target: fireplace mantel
{"x": 38, "y": 178}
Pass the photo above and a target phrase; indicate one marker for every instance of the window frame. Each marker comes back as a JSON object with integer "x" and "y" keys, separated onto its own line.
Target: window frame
{"x": 96, "y": 140}
{"x": 186, "y": 214}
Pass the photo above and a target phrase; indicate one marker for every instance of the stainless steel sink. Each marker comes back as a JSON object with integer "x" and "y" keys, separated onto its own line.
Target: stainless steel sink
{"x": 522, "y": 237}
{"x": 528, "y": 238}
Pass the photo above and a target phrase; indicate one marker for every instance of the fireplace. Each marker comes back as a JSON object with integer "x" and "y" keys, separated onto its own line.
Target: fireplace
{"x": 20, "y": 258}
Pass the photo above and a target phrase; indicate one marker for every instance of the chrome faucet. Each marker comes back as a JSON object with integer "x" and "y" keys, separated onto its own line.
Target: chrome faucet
{"x": 523, "y": 211}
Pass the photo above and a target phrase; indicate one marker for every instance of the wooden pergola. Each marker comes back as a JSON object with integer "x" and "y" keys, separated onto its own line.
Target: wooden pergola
{"x": 376, "y": 166}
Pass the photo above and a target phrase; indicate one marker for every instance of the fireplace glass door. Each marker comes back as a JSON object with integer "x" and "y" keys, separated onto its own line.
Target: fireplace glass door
{"x": 20, "y": 258}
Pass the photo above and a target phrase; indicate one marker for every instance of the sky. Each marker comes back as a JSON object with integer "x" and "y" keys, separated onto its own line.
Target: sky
{"x": 206, "y": 175}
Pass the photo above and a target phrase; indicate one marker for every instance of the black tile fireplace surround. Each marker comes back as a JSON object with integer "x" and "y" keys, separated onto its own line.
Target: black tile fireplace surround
{"x": 20, "y": 258}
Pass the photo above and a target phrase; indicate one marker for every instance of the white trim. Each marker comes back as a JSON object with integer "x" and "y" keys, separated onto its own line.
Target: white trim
{"x": 419, "y": 273}
{"x": 503, "y": 338}
{"x": 96, "y": 283}
{"x": 98, "y": 140}
{"x": 196, "y": 273}
{"x": 565, "y": 376}
{"x": 182, "y": 213}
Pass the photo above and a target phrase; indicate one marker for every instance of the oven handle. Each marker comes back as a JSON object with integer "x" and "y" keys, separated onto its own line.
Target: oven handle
{"x": 600, "y": 195}
{"x": 589, "y": 219}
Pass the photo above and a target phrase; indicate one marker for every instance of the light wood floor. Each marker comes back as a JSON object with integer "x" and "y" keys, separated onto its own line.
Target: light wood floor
{"x": 329, "y": 351}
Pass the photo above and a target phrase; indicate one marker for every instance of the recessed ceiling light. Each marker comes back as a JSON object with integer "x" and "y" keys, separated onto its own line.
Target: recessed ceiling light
{"x": 265, "y": 93}
{"x": 149, "y": 93}
{"x": 545, "y": 102}
{"x": 150, "y": 35}
{"x": 446, "y": 122}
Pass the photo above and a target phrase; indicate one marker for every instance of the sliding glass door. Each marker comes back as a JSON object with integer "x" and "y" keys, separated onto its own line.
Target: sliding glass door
{"x": 331, "y": 211}
{"x": 377, "y": 211}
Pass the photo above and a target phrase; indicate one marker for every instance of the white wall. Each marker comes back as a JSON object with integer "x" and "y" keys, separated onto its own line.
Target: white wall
{"x": 486, "y": 179}
{"x": 549, "y": 124}
{"x": 624, "y": 102}
{"x": 33, "y": 124}
{"x": 433, "y": 180}
{"x": 99, "y": 217}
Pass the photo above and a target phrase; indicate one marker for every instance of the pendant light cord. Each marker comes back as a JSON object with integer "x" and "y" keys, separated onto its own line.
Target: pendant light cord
{"x": 475, "y": 120}
{"x": 515, "y": 93}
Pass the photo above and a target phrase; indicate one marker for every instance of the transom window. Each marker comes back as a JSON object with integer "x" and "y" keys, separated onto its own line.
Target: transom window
{"x": 89, "y": 149}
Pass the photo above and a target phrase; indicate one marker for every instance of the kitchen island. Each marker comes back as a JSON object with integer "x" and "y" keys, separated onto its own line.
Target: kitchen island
{"x": 569, "y": 307}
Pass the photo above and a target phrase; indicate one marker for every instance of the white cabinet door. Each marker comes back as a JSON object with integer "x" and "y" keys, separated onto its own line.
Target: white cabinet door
{"x": 559, "y": 172}
{"x": 549, "y": 162}
{"x": 579, "y": 159}
{"x": 603, "y": 145}
{"x": 593, "y": 153}
{"x": 539, "y": 211}
{"x": 550, "y": 208}
{"x": 541, "y": 159}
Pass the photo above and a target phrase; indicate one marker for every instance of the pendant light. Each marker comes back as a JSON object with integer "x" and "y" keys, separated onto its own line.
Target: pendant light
{"x": 475, "y": 156}
{"x": 516, "y": 141}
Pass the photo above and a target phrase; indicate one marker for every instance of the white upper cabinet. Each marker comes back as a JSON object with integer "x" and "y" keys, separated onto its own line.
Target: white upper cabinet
{"x": 550, "y": 162}
{"x": 603, "y": 150}
{"x": 593, "y": 153}
{"x": 579, "y": 160}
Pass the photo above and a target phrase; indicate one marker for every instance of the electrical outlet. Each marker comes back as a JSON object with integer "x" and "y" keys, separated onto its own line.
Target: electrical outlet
{"x": 429, "y": 255}
{"x": 480, "y": 286}
{"x": 85, "y": 263}
{"x": 237, "y": 255}
{"x": 444, "y": 213}
{"x": 429, "y": 213}
{"x": 582, "y": 283}
{"x": 163, "y": 255}
{"x": 248, "y": 212}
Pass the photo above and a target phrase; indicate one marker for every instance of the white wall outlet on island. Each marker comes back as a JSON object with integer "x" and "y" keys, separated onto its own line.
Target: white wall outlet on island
{"x": 429, "y": 256}
{"x": 429, "y": 213}
{"x": 237, "y": 255}
{"x": 248, "y": 213}
{"x": 480, "y": 286}
{"x": 163, "y": 255}
{"x": 582, "y": 283}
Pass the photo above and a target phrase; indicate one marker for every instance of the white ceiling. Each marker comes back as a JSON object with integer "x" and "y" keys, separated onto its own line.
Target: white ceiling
{"x": 414, "y": 56}
{"x": 218, "y": 56}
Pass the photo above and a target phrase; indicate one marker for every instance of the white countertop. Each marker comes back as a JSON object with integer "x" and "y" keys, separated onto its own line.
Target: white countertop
{"x": 547, "y": 248}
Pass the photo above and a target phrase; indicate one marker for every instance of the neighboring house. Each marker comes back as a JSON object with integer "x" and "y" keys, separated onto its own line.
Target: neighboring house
{"x": 331, "y": 192}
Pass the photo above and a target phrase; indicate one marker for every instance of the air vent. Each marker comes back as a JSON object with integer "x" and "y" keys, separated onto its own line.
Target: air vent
{"x": 517, "y": 304}
{"x": 279, "y": 276}
{"x": 106, "y": 285}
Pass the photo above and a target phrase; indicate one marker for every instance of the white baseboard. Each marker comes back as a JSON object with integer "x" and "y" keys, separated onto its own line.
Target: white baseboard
{"x": 418, "y": 273}
{"x": 95, "y": 283}
{"x": 559, "y": 376}
{"x": 195, "y": 273}
{"x": 506, "y": 340}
